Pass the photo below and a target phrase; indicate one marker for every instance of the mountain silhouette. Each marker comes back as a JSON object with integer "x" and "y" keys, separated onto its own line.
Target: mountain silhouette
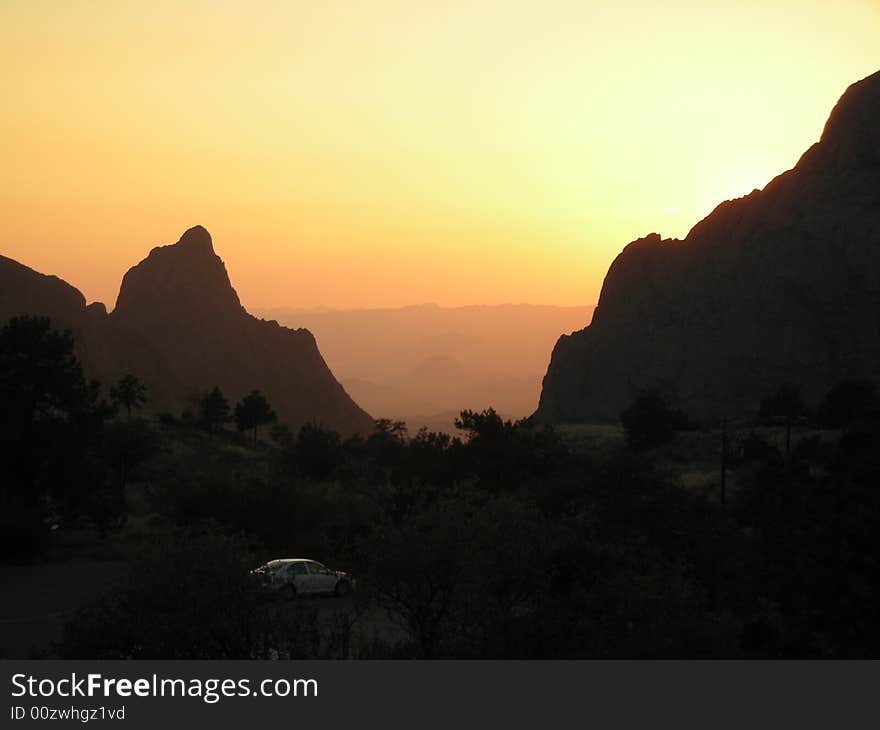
{"x": 179, "y": 326}
{"x": 782, "y": 285}
{"x": 105, "y": 350}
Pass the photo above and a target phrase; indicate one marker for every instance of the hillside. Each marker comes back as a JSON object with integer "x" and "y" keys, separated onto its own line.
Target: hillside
{"x": 780, "y": 286}
{"x": 180, "y": 327}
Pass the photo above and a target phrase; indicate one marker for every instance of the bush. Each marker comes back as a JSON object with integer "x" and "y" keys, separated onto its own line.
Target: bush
{"x": 846, "y": 402}
{"x": 194, "y": 597}
{"x": 191, "y": 598}
{"x": 651, "y": 421}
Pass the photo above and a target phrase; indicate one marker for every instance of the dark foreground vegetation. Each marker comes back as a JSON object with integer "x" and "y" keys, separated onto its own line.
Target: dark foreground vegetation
{"x": 508, "y": 540}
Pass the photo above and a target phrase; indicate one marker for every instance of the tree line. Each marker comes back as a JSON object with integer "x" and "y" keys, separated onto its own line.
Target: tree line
{"x": 66, "y": 451}
{"x": 502, "y": 540}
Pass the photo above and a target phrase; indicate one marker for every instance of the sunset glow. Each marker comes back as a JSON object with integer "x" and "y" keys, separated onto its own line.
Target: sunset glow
{"x": 388, "y": 152}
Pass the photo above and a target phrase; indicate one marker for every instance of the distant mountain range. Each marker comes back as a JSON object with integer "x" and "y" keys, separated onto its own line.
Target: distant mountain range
{"x": 781, "y": 286}
{"x": 425, "y": 363}
{"x": 179, "y": 326}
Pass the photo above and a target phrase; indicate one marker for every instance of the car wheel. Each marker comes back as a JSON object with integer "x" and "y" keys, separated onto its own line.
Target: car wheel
{"x": 343, "y": 588}
{"x": 288, "y": 593}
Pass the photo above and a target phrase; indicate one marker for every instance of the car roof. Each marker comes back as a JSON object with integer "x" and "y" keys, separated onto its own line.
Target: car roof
{"x": 291, "y": 560}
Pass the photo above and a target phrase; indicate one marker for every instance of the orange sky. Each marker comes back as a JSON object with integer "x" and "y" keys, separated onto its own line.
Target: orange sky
{"x": 395, "y": 151}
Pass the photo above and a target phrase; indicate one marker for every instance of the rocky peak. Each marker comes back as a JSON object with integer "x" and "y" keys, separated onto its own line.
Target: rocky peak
{"x": 184, "y": 279}
{"x": 782, "y": 285}
{"x": 852, "y": 133}
{"x": 180, "y": 300}
{"x": 179, "y": 326}
{"x": 197, "y": 241}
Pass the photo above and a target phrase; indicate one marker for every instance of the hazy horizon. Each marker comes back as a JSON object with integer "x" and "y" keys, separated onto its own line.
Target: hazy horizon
{"x": 424, "y": 363}
{"x": 265, "y": 312}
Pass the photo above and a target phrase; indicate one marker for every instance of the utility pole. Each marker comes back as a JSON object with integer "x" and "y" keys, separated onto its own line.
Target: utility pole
{"x": 724, "y": 461}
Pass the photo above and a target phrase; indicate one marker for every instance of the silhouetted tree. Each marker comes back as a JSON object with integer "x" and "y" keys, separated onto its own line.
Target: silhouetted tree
{"x": 433, "y": 457}
{"x": 396, "y": 430}
{"x": 486, "y": 425}
{"x": 846, "y": 402}
{"x": 128, "y": 444}
{"x": 282, "y": 436}
{"x": 213, "y": 411}
{"x": 417, "y": 565}
{"x": 491, "y": 450}
{"x": 318, "y": 452}
{"x": 40, "y": 376}
{"x": 650, "y": 421}
{"x": 252, "y": 412}
{"x": 785, "y": 405}
{"x": 384, "y": 450}
{"x": 503, "y": 453}
{"x": 129, "y": 393}
{"x": 50, "y": 424}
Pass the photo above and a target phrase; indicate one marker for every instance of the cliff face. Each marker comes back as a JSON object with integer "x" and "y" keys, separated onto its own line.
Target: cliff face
{"x": 780, "y": 286}
{"x": 180, "y": 300}
{"x": 179, "y": 326}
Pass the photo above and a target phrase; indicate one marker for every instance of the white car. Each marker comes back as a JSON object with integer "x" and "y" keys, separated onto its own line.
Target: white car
{"x": 293, "y": 577}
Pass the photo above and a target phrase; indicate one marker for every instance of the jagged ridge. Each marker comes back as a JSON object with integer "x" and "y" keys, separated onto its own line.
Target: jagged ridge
{"x": 179, "y": 325}
{"x": 782, "y": 285}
